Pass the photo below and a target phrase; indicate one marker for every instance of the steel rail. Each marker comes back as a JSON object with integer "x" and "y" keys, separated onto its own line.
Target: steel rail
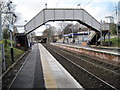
{"x": 85, "y": 70}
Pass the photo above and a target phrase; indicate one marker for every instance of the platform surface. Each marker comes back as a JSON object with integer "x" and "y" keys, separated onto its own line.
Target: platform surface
{"x": 54, "y": 73}
{"x": 103, "y": 50}
{"x": 31, "y": 69}
{"x": 42, "y": 70}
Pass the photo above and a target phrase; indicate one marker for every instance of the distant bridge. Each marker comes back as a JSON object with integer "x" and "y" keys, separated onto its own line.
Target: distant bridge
{"x": 57, "y": 14}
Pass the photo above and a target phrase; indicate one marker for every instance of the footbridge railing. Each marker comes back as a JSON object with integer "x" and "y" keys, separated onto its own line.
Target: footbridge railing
{"x": 60, "y": 14}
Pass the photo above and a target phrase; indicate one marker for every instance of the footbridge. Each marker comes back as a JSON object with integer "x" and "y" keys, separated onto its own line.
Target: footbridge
{"x": 63, "y": 14}
{"x": 56, "y": 14}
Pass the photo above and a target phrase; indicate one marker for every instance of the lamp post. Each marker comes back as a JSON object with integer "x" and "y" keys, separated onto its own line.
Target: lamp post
{"x": 79, "y": 6}
{"x": 11, "y": 28}
{"x": 46, "y": 6}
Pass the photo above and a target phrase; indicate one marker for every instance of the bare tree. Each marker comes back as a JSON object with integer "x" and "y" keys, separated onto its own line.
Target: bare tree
{"x": 50, "y": 32}
{"x": 68, "y": 29}
{"x": 8, "y": 7}
{"x": 62, "y": 25}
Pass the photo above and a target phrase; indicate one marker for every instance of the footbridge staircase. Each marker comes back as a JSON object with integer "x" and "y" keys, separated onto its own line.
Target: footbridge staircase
{"x": 64, "y": 14}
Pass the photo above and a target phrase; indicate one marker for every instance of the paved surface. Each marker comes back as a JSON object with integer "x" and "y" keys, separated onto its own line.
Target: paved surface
{"x": 31, "y": 70}
{"x": 42, "y": 70}
{"x": 54, "y": 74}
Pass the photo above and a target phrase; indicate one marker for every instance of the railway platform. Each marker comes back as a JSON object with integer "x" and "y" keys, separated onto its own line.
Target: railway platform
{"x": 108, "y": 50}
{"x": 108, "y": 55}
{"x": 42, "y": 70}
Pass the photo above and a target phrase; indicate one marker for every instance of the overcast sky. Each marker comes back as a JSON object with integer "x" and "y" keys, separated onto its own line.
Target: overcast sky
{"x": 99, "y": 9}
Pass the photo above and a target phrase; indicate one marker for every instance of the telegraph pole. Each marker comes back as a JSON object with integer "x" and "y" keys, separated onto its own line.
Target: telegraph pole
{"x": 1, "y": 38}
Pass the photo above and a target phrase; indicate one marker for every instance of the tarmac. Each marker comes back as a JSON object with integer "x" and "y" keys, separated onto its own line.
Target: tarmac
{"x": 42, "y": 70}
{"x": 28, "y": 76}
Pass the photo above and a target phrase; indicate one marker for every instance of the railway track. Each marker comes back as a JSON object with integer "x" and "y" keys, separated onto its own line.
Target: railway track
{"x": 88, "y": 72}
{"x": 95, "y": 61}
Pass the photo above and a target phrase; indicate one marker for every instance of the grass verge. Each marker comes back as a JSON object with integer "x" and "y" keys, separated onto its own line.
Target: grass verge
{"x": 115, "y": 41}
{"x": 17, "y": 53}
